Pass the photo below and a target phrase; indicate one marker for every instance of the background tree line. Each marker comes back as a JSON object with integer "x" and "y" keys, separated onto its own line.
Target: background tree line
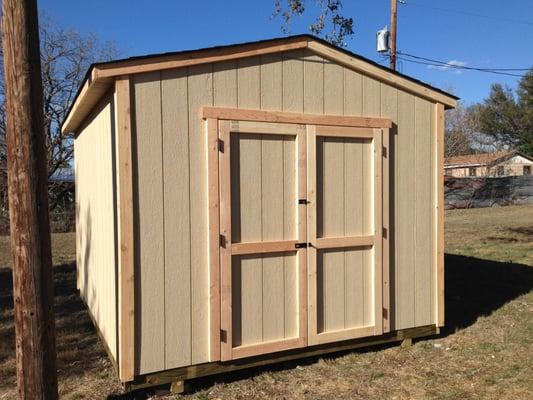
{"x": 65, "y": 57}
{"x": 502, "y": 121}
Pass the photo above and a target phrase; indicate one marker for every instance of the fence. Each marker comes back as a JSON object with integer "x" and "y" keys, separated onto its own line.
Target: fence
{"x": 63, "y": 221}
{"x": 487, "y": 192}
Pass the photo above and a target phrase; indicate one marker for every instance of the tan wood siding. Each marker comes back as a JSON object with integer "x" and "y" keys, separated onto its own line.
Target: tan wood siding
{"x": 405, "y": 212}
{"x": 177, "y": 241}
{"x": 423, "y": 213}
{"x": 96, "y": 220}
{"x": 174, "y": 248}
{"x": 200, "y": 92}
{"x": 149, "y": 213}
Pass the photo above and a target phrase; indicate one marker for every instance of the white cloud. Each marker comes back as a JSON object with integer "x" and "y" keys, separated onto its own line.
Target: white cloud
{"x": 450, "y": 66}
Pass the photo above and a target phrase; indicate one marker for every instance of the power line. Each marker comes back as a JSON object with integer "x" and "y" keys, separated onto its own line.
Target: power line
{"x": 471, "y": 14}
{"x": 442, "y": 64}
{"x": 460, "y": 66}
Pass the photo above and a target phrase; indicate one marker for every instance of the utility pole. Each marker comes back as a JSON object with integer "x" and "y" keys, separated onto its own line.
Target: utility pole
{"x": 393, "y": 35}
{"x": 28, "y": 203}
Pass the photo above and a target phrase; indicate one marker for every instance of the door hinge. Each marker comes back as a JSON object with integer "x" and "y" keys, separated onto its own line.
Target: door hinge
{"x": 384, "y": 151}
{"x": 301, "y": 245}
{"x": 385, "y": 313}
{"x": 223, "y": 335}
{"x": 222, "y": 240}
{"x": 385, "y": 232}
{"x": 220, "y": 143}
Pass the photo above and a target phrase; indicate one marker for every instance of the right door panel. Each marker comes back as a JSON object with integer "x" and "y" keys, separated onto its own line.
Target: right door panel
{"x": 344, "y": 232}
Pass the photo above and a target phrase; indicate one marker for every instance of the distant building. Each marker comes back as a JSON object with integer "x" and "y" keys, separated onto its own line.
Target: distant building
{"x": 497, "y": 164}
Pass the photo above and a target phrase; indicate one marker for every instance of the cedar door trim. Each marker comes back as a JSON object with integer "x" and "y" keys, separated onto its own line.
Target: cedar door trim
{"x": 241, "y": 114}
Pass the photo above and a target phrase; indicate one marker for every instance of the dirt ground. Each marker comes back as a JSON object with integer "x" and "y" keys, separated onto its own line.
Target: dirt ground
{"x": 484, "y": 352}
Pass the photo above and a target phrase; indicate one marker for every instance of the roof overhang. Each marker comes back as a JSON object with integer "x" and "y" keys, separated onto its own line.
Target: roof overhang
{"x": 100, "y": 77}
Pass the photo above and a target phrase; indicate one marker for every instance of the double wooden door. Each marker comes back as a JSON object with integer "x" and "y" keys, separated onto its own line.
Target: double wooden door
{"x": 300, "y": 235}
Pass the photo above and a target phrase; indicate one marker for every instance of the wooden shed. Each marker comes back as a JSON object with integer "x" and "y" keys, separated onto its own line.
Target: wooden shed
{"x": 255, "y": 203}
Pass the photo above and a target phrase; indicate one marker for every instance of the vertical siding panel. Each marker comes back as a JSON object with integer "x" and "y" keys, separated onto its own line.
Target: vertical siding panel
{"x": 292, "y": 100}
{"x": 109, "y": 297}
{"x": 225, "y": 84}
{"x": 333, "y": 204}
{"x": 353, "y": 201}
{"x": 176, "y": 223}
{"x": 333, "y": 89}
{"x": 150, "y": 273}
{"x": 293, "y": 77}
{"x": 435, "y": 175}
{"x": 331, "y": 207}
{"x": 371, "y": 97}
{"x": 272, "y": 229}
{"x": 249, "y": 96}
{"x": 249, "y": 83}
{"x": 248, "y": 174}
{"x": 353, "y": 93}
{"x": 200, "y": 93}
{"x": 313, "y": 83}
{"x": 368, "y": 226}
{"x": 405, "y": 216}
{"x": 271, "y": 82}
{"x": 95, "y": 230}
{"x": 423, "y": 213}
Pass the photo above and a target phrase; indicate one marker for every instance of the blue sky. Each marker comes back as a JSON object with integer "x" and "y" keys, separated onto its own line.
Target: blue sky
{"x": 425, "y": 28}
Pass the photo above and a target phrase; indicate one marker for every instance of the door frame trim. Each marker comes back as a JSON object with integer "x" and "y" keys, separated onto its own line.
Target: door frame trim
{"x": 242, "y": 114}
{"x": 329, "y": 125}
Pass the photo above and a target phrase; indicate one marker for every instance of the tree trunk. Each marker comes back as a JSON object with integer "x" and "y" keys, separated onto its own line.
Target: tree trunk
{"x": 28, "y": 203}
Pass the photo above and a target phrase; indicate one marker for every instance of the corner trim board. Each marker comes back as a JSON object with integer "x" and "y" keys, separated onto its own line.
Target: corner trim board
{"x": 126, "y": 231}
{"x": 439, "y": 210}
{"x": 214, "y": 243}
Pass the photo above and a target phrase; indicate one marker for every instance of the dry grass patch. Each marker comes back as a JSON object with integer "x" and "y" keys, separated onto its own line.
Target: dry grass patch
{"x": 498, "y": 233}
{"x": 484, "y": 352}
{"x": 63, "y": 249}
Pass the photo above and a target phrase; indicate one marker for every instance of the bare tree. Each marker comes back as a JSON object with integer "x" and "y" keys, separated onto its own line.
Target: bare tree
{"x": 329, "y": 21}
{"x": 65, "y": 57}
{"x": 459, "y": 131}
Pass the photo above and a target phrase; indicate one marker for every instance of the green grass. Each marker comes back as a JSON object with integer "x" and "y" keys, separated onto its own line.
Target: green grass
{"x": 499, "y": 234}
{"x": 485, "y": 350}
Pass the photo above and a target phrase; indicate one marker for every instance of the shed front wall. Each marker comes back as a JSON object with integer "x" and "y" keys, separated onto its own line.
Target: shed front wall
{"x": 170, "y": 182}
{"x": 96, "y": 241}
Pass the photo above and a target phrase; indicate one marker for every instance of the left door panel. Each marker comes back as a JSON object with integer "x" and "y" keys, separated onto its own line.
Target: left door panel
{"x": 263, "y": 264}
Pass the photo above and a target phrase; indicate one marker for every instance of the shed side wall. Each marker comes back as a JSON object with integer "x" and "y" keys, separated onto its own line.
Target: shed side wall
{"x": 95, "y": 218}
{"x": 172, "y": 281}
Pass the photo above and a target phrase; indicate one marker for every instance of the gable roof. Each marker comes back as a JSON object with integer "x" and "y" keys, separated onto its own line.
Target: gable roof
{"x": 100, "y": 76}
{"x": 481, "y": 159}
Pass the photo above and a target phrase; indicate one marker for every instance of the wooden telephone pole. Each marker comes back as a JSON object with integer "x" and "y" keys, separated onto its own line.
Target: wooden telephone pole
{"x": 393, "y": 35}
{"x": 28, "y": 203}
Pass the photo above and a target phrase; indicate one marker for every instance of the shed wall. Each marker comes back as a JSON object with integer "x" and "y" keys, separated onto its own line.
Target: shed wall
{"x": 96, "y": 243}
{"x": 172, "y": 299}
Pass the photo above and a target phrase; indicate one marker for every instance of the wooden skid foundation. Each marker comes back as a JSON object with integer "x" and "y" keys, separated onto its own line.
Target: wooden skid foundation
{"x": 196, "y": 371}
